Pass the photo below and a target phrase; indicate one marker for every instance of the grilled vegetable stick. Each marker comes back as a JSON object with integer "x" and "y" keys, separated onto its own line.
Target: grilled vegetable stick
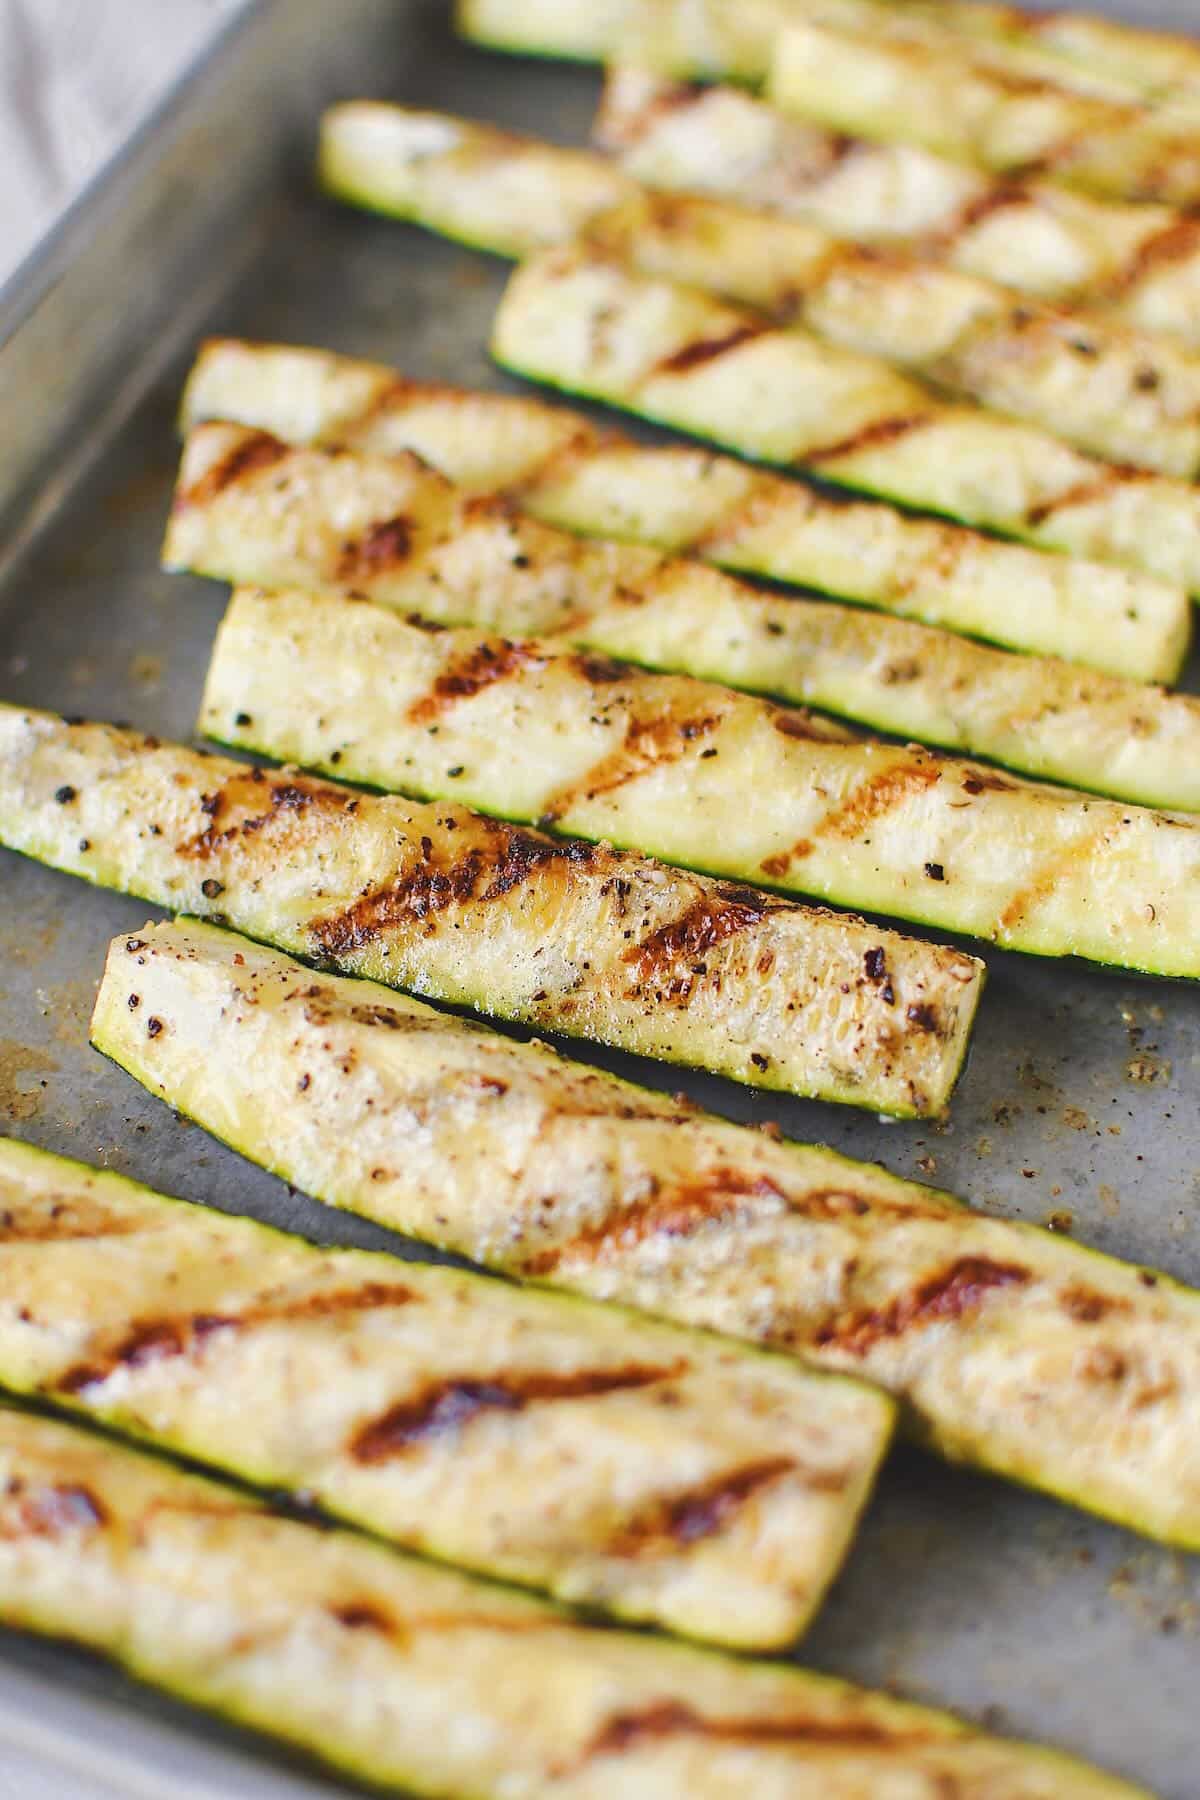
{"x": 564, "y": 936}
{"x": 660, "y": 1474}
{"x": 425, "y": 1680}
{"x": 1140, "y": 264}
{"x": 966, "y": 101}
{"x": 288, "y": 524}
{"x": 706, "y": 778}
{"x": 563, "y": 471}
{"x": 1165, "y": 67}
{"x": 1010, "y": 1347}
{"x": 734, "y": 38}
{"x": 674, "y": 354}
{"x": 1117, "y": 393}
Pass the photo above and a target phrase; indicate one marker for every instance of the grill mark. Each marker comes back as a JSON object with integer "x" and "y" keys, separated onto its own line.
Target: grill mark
{"x": 678, "y": 1521}
{"x": 254, "y": 451}
{"x": 236, "y": 809}
{"x": 482, "y": 667}
{"x": 1088, "y": 1307}
{"x": 480, "y": 877}
{"x": 618, "y": 127}
{"x": 681, "y": 1212}
{"x": 1082, "y": 493}
{"x": 51, "y": 1511}
{"x": 1175, "y": 243}
{"x": 64, "y": 1222}
{"x": 649, "y": 744}
{"x": 628, "y": 1731}
{"x": 445, "y": 1407}
{"x": 382, "y": 546}
{"x": 704, "y": 350}
{"x": 1044, "y": 883}
{"x": 363, "y": 1615}
{"x": 994, "y": 198}
{"x": 869, "y": 437}
{"x": 151, "y": 1341}
{"x": 877, "y": 796}
{"x": 958, "y": 1290}
{"x": 669, "y": 957}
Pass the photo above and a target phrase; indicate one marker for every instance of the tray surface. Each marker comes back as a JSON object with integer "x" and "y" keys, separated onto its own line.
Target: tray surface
{"x": 1078, "y": 1102}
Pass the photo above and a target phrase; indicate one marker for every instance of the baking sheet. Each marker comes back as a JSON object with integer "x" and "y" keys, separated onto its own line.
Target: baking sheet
{"x": 1078, "y": 1102}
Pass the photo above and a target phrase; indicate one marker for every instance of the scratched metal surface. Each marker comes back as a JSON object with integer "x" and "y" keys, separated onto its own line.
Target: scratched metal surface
{"x": 1079, "y": 1097}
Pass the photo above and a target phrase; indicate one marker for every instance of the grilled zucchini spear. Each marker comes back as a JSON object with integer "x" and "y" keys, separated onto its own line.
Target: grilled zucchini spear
{"x": 568, "y": 937}
{"x": 1009, "y": 1347}
{"x": 1113, "y": 392}
{"x": 982, "y": 103}
{"x": 588, "y": 324}
{"x": 706, "y": 778}
{"x": 1140, "y": 264}
{"x": 287, "y": 523}
{"x": 560, "y": 468}
{"x": 421, "y": 1679}
{"x": 660, "y": 1474}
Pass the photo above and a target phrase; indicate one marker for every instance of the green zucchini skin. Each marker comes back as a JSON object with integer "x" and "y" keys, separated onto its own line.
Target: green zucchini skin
{"x": 1139, "y": 264}
{"x": 1112, "y": 392}
{"x": 682, "y": 358}
{"x": 564, "y": 472}
{"x": 294, "y": 519}
{"x": 1009, "y": 1348}
{"x": 705, "y": 778}
{"x": 560, "y": 935}
{"x": 419, "y": 1679}
{"x": 742, "y": 1476}
{"x": 981, "y": 103}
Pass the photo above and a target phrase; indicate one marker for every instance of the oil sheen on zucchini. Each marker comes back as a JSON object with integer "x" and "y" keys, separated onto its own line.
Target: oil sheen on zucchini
{"x": 559, "y": 467}
{"x": 589, "y": 324}
{"x": 1010, "y": 1348}
{"x": 290, "y": 522}
{"x": 660, "y": 1474}
{"x": 1138, "y": 263}
{"x": 704, "y": 777}
{"x": 1113, "y": 392}
{"x": 968, "y": 101}
{"x": 423, "y": 1680}
{"x": 565, "y": 936}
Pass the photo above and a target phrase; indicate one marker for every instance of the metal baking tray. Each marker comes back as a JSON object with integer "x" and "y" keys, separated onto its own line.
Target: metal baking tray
{"x": 1078, "y": 1103}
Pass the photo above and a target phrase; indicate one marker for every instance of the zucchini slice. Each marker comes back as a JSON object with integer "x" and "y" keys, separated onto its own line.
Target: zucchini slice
{"x": 980, "y": 103}
{"x": 1140, "y": 264}
{"x": 1009, "y": 1347}
{"x": 705, "y": 778}
{"x": 567, "y": 937}
{"x": 592, "y": 326}
{"x": 557, "y": 466}
{"x": 287, "y": 523}
{"x": 741, "y": 1476}
{"x": 1116, "y": 393}
{"x": 419, "y": 1679}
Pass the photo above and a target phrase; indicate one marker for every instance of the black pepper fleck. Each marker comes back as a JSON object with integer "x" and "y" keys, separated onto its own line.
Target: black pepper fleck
{"x": 64, "y": 795}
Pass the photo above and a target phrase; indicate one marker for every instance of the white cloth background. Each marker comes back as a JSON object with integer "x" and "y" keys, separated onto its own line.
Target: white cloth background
{"x": 75, "y": 78}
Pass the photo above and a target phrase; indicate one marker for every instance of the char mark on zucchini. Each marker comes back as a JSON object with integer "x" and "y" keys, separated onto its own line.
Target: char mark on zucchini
{"x": 446, "y": 1407}
{"x": 710, "y": 1507}
{"x": 260, "y": 451}
{"x": 958, "y": 1291}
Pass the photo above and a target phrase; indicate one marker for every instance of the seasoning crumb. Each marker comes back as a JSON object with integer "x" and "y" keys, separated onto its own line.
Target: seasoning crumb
{"x": 1059, "y": 1221}
{"x": 935, "y": 871}
{"x": 242, "y": 718}
{"x": 210, "y": 887}
{"x": 154, "y": 1026}
{"x": 64, "y": 795}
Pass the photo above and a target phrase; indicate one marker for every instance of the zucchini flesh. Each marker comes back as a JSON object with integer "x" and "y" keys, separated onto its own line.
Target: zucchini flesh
{"x": 567, "y": 937}
{"x": 1009, "y": 1347}
{"x": 1118, "y": 394}
{"x": 423, "y": 1680}
{"x": 673, "y": 354}
{"x": 741, "y": 1476}
{"x": 706, "y": 778}
{"x": 1140, "y": 264}
{"x": 287, "y": 524}
{"x": 557, "y": 466}
{"x": 980, "y": 104}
